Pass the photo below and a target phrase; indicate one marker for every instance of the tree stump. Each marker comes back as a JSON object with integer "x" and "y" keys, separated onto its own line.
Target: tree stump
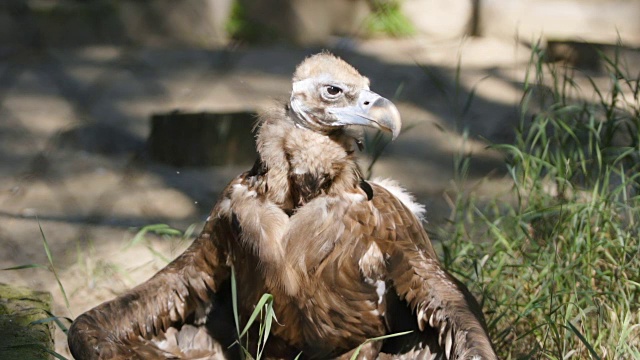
{"x": 202, "y": 139}
{"x": 20, "y": 338}
{"x": 576, "y": 54}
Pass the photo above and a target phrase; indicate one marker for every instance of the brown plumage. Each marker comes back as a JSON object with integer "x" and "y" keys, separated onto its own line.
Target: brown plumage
{"x": 346, "y": 260}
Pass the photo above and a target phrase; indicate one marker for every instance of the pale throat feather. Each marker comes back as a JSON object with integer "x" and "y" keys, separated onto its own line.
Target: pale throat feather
{"x": 287, "y": 149}
{"x": 315, "y": 154}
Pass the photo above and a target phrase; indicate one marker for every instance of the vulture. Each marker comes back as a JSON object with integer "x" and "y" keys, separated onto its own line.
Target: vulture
{"x": 346, "y": 259}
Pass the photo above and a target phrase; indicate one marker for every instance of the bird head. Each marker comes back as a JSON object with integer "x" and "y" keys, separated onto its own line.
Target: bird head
{"x": 328, "y": 93}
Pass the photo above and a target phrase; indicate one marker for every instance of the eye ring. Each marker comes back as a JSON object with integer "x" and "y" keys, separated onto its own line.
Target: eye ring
{"x": 333, "y": 91}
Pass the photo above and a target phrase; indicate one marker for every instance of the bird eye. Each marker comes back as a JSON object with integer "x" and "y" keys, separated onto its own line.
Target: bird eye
{"x": 333, "y": 90}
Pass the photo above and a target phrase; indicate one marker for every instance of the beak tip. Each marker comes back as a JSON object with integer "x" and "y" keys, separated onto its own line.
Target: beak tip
{"x": 387, "y": 116}
{"x": 394, "y": 134}
{"x": 395, "y": 122}
{"x": 372, "y": 110}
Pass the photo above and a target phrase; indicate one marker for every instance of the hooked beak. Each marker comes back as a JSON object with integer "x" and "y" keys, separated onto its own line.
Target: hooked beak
{"x": 371, "y": 110}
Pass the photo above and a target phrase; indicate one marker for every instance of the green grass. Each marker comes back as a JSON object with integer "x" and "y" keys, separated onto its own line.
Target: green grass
{"x": 387, "y": 19}
{"x": 559, "y": 268}
{"x": 241, "y": 28}
{"x": 263, "y": 313}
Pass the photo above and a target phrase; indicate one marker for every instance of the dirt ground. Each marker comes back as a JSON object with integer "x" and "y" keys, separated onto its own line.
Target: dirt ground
{"x": 74, "y": 122}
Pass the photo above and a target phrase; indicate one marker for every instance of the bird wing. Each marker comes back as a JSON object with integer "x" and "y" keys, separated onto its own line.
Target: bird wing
{"x": 180, "y": 293}
{"x": 439, "y": 304}
{"x": 448, "y": 317}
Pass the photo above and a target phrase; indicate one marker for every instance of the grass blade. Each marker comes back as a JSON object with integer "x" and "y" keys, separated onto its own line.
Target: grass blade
{"x": 158, "y": 229}
{"x": 234, "y": 299}
{"x": 261, "y": 303}
{"x": 355, "y": 354}
{"x": 55, "y": 319}
{"x": 269, "y": 316}
{"x": 29, "y": 266}
{"x": 584, "y": 341}
{"x": 53, "y": 268}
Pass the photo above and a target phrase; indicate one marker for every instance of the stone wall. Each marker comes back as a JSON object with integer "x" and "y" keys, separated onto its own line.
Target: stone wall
{"x": 120, "y": 22}
{"x": 601, "y": 22}
{"x": 201, "y": 23}
{"x": 309, "y": 21}
{"x": 590, "y": 21}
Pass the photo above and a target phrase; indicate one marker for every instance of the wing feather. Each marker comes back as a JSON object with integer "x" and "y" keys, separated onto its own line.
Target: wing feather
{"x": 181, "y": 292}
{"x": 436, "y": 299}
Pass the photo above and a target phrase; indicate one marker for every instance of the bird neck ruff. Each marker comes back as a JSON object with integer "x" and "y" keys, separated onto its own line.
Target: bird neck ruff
{"x": 303, "y": 119}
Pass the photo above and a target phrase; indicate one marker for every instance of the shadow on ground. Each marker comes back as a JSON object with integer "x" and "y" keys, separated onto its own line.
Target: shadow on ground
{"x": 74, "y": 123}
